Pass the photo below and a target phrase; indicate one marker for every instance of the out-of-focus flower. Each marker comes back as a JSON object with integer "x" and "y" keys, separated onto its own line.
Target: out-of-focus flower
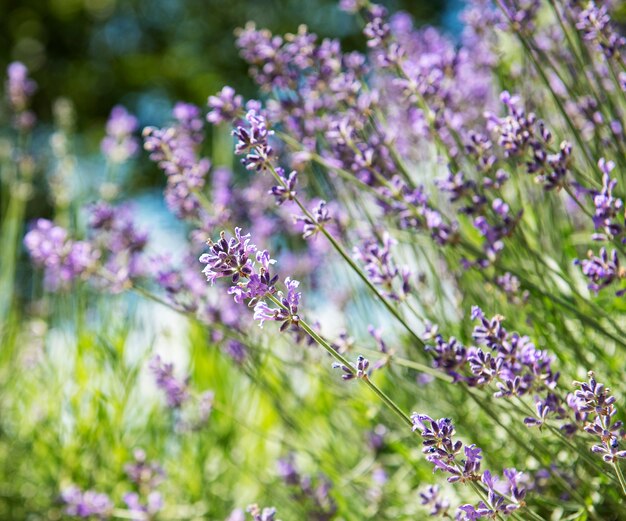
{"x": 119, "y": 144}
{"x": 87, "y": 504}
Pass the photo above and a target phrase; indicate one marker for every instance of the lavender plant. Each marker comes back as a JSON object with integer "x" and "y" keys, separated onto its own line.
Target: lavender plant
{"x": 397, "y": 204}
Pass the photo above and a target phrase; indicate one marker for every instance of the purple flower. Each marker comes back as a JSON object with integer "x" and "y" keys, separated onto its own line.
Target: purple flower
{"x": 287, "y": 313}
{"x": 595, "y": 25}
{"x": 189, "y": 120}
{"x": 431, "y": 498}
{"x": 511, "y": 286}
{"x": 522, "y": 135}
{"x": 176, "y": 391}
{"x": 251, "y": 279}
{"x": 19, "y": 90}
{"x": 607, "y": 207}
{"x": 119, "y": 144}
{"x": 141, "y": 511}
{"x": 312, "y": 493}
{"x": 253, "y": 141}
{"x": 376, "y": 30}
{"x": 62, "y": 259}
{"x": 359, "y": 370}
{"x": 114, "y": 232}
{"x": 229, "y": 258}
{"x": 226, "y": 105}
{"x": 448, "y": 356}
{"x": 88, "y": 504}
{"x": 143, "y": 472}
{"x": 319, "y": 217}
{"x": 602, "y": 270}
{"x": 443, "y": 451}
{"x": 286, "y": 191}
{"x": 175, "y": 150}
{"x": 597, "y": 402}
{"x": 237, "y": 351}
{"x": 381, "y": 268}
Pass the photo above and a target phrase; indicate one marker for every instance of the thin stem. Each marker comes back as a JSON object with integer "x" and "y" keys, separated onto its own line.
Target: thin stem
{"x": 344, "y": 254}
{"x": 620, "y": 476}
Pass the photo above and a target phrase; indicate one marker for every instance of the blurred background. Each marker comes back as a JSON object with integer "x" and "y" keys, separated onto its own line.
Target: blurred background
{"x": 148, "y": 53}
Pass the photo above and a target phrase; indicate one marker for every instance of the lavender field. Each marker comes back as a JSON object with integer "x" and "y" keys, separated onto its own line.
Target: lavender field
{"x": 388, "y": 285}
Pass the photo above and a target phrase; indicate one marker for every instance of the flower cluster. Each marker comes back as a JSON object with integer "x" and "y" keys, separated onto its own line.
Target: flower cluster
{"x": 62, "y": 259}
{"x": 191, "y": 410}
{"x": 431, "y": 498}
{"x": 358, "y": 371}
{"x": 86, "y": 504}
{"x": 314, "y": 221}
{"x": 114, "y": 233}
{"x": 608, "y": 217}
{"x": 175, "y": 150}
{"x": 234, "y": 258}
{"x": 119, "y": 144}
{"x": 142, "y": 472}
{"x": 176, "y": 390}
{"x": 521, "y": 135}
{"x": 225, "y": 106}
{"x": 249, "y": 270}
{"x": 511, "y": 360}
{"x": 491, "y": 215}
{"x": 595, "y": 24}
{"x": 594, "y": 402}
{"x": 267, "y": 514}
{"x": 463, "y": 463}
{"x": 19, "y": 90}
{"x": 602, "y": 270}
{"x": 146, "y": 502}
{"x": 141, "y": 511}
{"x": 253, "y": 141}
{"x": 286, "y": 190}
{"x": 381, "y": 268}
{"x": 442, "y": 451}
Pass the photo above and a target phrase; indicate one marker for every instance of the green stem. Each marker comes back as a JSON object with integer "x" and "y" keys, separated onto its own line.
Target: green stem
{"x": 620, "y": 476}
{"x": 344, "y": 254}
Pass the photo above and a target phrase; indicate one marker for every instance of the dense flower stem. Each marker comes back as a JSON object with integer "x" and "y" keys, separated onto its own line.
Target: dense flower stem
{"x": 575, "y": 52}
{"x": 531, "y": 451}
{"x": 557, "y": 100}
{"x": 578, "y": 450}
{"x": 470, "y": 248}
{"x": 388, "y": 402}
{"x": 564, "y": 303}
{"x": 342, "y": 252}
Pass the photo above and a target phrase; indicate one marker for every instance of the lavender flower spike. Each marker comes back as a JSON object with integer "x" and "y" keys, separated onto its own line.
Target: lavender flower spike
{"x": 229, "y": 258}
{"x": 287, "y": 313}
{"x": 253, "y": 141}
{"x": 226, "y": 105}
{"x": 598, "y": 403}
{"x": 19, "y": 90}
{"x": 119, "y": 145}
{"x": 175, "y": 390}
